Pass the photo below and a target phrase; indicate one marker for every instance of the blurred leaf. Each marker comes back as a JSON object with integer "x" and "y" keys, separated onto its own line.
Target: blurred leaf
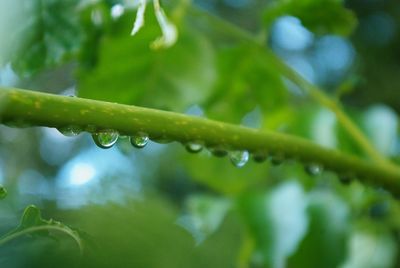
{"x": 220, "y": 175}
{"x": 347, "y": 86}
{"x": 252, "y": 207}
{"x": 277, "y": 221}
{"x": 370, "y": 248}
{"x": 204, "y": 214}
{"x": 246, "y": 80}
{"x": 325, "y": 243}
{"x": 319, "y": 16}
{"x": 286, "y": 209}
{"x": 33, "y": 223}
{"x": 3, "y": 192}
{"x": 381, "y": 125}
{"x": 129, "y": 71}
{"x": 39, "y": 33}
{"x": 144, "y": 234}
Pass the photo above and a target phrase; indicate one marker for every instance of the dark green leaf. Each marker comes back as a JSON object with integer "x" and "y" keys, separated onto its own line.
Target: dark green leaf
{"x": 38, "y": 33}
{"x": 3, "y": 192}
{"x": 129, "y": 71}
{"x": 204, "y": 215}
{"x": 325, "y": 243}
{"x": 246, "y": 80}
{"x": 33, "y": 223}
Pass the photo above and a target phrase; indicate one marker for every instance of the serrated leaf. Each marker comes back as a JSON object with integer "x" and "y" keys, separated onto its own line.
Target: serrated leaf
{"x": 31, "y": 217}
{"x": 33, "y": 223}
{"x": 38, "y": 34}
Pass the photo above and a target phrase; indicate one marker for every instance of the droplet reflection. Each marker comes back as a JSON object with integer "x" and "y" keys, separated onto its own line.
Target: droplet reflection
{"x": 239, "y": 158}
{"x": 106, "y": 138}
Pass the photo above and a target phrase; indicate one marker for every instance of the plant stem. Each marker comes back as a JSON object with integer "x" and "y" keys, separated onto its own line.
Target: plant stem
{"x": 313, "y": 91}
{"x": 28, "y": 108}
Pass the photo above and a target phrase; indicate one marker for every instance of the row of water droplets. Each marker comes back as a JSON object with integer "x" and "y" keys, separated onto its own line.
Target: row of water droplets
{"x": 107, "y": 138}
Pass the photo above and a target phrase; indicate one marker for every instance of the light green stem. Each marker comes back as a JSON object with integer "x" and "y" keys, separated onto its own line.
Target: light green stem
{"x": 22, "y": 107}
{"x": 310, "y": 89}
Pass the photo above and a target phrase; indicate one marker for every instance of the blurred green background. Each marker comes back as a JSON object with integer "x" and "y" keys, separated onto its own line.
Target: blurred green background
{"x": 163, "y": 207}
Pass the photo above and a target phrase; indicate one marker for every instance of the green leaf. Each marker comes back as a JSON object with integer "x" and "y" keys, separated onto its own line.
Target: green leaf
{"x": 38, "y": 33}
{"x": 33, "y": 223}
{"x": 130, "y": 72}
{"x": 252, "y": 207}
{"x": 371, "y": 246}
{"x": 220, "y": 175}
{"x": 321, "y": 17}
{"x": 144, "y": 233}
{"x": 246, "y": 80}
{"x": 381, "y": 125}
{"x": 31, "y": 217}
{"x": 325, "y": 243}
{"x": 277, "y": 221}
{"x": 204, "y": 214}
{"x": 3, "y": 192}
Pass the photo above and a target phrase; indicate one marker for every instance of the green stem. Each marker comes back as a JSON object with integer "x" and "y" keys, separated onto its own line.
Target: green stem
{"x": 23, "y": 108}
{"x": 310, "y": 89}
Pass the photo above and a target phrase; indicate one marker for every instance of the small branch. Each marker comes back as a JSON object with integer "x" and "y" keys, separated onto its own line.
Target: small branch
{"x": 29, "y": 108}
{"x": 310, "y": 89}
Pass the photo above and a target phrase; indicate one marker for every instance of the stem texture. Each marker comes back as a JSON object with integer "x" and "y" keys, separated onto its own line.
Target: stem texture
{"x": 29, "y": 108}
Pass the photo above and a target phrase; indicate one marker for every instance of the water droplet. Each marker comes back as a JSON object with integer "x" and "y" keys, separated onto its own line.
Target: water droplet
{"x": 106, "y": 138}
{"x": 218, "y": 151}
{"x": 313, "y": 169}
{"x": 277, "y": 160}
{"x": 70, "y": 131}
{"x": 3, "y": 192}
{"x": 239, "y": 158}
{"x": 91, "y": 128}
{"x": 139, "y": 140}
{"x": 193, "y": 147}
{"x": 260, "y": 157}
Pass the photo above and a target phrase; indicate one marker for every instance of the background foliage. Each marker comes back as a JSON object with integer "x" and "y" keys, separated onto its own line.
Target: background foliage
{"x": 164, "y": 207}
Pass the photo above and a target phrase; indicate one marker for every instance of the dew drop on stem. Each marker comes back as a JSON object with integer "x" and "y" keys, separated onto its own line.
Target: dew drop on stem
{"x": 70, "y": 131}
{"x": 260, "y": 157}
{"x": 313, "y": 169}
{"x": 218, "y": 151}
{"x": 193, "y": 147}
{"x": 239, "y": 158}
{"x": 105, "y": 138}
{"x": 161, "y": 140}
{"x": 277, "y": 159}
{"x": 139, "y": 140}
